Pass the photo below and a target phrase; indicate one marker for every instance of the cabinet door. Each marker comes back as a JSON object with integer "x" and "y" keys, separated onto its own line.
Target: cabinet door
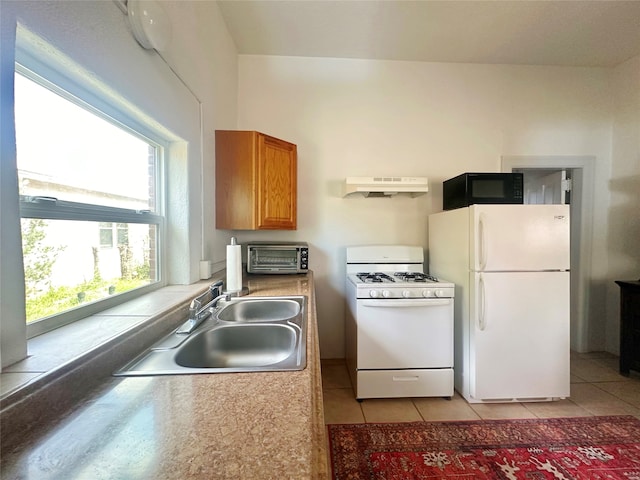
{"x": 276, "y": 184}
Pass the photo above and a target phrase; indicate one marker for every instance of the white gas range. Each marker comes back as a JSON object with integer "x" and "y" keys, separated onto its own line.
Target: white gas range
{"x": 399, "y": 324}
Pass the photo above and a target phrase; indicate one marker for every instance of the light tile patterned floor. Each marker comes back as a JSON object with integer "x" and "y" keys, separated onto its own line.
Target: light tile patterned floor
{"x": 596, "y": 389}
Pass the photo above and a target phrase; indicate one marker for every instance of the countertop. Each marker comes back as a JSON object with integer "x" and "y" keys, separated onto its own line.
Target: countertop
{"x": 258, "y": 425}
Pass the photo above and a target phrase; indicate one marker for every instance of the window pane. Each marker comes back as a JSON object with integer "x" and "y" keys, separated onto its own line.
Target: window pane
{"x": 67, "y": 264}
{"x": 69, "y": 153}
{"x": 106, "y": 235}
{"x": 123, "y": 234}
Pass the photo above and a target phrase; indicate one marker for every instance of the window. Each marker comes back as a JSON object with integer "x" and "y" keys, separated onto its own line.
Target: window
{"x": 89, "y": 203}
{"x": 111, "y": 231}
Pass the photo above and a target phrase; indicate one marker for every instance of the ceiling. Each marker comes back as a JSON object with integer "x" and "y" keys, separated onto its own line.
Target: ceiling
{"x": 601, "y": 33}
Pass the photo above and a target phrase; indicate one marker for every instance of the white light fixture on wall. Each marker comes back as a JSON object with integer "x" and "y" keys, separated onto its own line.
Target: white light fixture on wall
{"x": 150, "y": 24}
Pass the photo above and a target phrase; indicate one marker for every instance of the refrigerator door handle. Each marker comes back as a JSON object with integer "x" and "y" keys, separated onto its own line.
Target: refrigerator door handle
{"x": 482, "y": 321}
{"x": 482, "y": 242}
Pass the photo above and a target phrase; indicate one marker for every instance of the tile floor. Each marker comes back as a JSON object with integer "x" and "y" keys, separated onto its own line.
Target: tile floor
{"x": 596, "y": 389}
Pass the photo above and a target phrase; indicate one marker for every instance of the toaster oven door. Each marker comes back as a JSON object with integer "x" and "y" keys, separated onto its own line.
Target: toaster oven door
{"x": 273, "y": 260}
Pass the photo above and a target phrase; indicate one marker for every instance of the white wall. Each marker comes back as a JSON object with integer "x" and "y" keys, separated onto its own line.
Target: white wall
{"x": 623, "y": 228}
{"x": 205, "y": 57}
{"x": 359, "y": 117}
{"x": 184, "y": 96}
{"x": 12, "y": 300}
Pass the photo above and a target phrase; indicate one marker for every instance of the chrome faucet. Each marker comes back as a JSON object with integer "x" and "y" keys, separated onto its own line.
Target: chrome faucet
{"x": 198, "y": 313}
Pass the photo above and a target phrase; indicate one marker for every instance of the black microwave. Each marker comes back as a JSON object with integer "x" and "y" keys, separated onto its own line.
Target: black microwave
{"x": 474, "y": 188}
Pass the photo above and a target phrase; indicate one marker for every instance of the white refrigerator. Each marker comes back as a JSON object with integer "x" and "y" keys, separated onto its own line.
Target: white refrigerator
{"x": 510, "y": 264}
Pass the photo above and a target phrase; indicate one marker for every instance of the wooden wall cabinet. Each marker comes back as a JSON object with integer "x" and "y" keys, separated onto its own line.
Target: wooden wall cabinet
{"x": 256, "y": 182}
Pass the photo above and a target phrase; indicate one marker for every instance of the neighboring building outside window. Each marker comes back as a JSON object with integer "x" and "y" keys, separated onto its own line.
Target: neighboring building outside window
{"x": 91, "y": 215}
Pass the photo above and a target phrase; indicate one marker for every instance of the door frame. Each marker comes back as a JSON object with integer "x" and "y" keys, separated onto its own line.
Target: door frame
{"x": 581, "y": 210}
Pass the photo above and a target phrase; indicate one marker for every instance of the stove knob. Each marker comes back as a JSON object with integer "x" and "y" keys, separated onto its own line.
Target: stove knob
{"x": 406, "y": 293}
{"x": 439, "y": 293}
{"x": 427, "y": 293}
{"x": 373, "y": 293}
{"x": 386, "y": 293}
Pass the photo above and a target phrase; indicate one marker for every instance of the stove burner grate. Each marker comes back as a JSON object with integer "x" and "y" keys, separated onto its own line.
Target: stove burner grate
{"x": 415, "y": 277}
{"x": 374, "y": 277}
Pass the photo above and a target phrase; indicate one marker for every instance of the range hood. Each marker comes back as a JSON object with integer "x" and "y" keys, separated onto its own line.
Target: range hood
{"x": 386, "y": 186}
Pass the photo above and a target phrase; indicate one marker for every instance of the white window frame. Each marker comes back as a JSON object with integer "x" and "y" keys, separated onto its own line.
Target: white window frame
{"x": 54, "y": 209}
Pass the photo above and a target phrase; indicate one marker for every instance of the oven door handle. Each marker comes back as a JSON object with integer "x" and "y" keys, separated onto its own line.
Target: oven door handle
{"x": 392, "y": 303}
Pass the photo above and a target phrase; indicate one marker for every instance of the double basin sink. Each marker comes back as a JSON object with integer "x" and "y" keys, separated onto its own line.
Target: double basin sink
{"x": 242, "y": 335}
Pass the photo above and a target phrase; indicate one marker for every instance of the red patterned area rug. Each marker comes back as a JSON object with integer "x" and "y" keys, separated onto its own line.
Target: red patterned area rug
{"x": 585, "y": 448}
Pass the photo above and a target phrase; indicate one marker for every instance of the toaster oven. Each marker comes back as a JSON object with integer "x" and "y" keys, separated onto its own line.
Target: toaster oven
{"x": 277, "y": 257}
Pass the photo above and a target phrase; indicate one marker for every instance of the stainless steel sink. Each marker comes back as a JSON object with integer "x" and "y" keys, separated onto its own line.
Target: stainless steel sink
{"x": 249, "y": 334}
{"x": 238, "y": 346}
{"x": 259, "y": 310}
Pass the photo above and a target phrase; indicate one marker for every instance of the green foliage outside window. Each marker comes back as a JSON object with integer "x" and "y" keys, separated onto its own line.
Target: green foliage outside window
{"x": 38, "y": 258}
{"x": 43, "y": 299}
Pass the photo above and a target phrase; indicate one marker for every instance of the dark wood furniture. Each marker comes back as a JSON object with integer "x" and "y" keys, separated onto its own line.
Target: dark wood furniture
{"x": 629, "y": 326}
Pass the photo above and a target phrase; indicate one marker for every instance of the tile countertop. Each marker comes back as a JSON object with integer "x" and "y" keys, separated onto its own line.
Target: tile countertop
{"x": 258, "y": 425}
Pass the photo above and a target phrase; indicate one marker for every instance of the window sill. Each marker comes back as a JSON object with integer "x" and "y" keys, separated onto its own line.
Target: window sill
{"x": 54, "y": 354}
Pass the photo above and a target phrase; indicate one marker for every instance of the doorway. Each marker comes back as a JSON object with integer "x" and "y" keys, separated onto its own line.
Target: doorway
{"x": 566, "y": 179}
{"x": 544, "y": 186}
